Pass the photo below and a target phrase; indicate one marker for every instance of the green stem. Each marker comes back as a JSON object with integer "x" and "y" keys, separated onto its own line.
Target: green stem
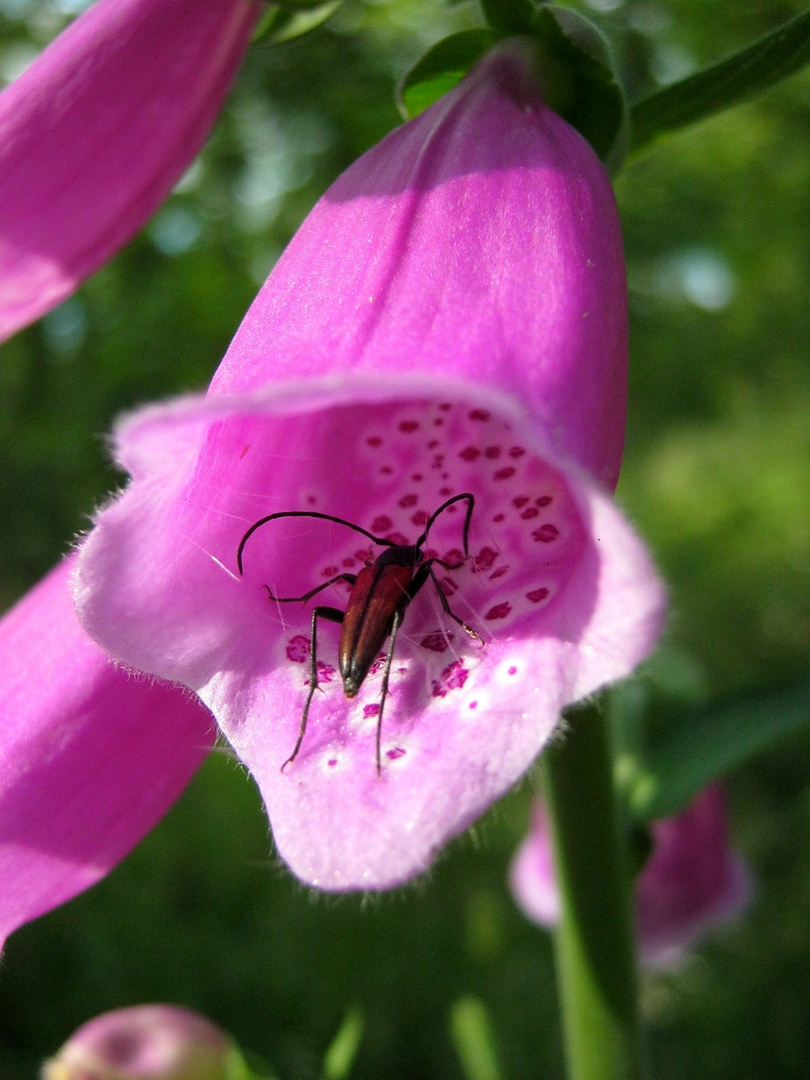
{"x": 594, "y": 941}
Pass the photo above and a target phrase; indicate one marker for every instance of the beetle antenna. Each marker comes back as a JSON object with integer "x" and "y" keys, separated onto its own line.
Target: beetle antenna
{"x": 305, "y": 514}
{"x": 456, "y": 498}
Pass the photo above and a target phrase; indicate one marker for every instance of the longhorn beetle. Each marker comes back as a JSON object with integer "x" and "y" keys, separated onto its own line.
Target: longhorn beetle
{"x": 380, "y": 593}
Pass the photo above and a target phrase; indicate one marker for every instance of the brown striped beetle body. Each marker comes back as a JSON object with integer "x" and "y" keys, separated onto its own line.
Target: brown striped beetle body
{"x": 380, "y": 594}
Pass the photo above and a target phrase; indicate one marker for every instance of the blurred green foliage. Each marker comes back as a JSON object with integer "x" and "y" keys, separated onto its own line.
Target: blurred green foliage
{"x": 717, "y": 226}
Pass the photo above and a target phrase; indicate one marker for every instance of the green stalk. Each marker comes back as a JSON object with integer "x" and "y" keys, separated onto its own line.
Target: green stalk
{"x": 595, "y": 950}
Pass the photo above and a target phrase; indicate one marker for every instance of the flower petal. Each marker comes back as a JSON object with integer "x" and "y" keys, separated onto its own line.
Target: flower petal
{"x": 480, "y": 241}
{"x": 692, "y": 883}
{"x": 95, "y": 133}
{"x": 557, "y": 585}
{"x": 91, "y": 757}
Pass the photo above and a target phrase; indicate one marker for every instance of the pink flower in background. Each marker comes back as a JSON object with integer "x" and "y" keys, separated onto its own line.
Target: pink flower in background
{"x": 691, "y": 884}
{"x": 147, "y": 1042}
{"x": 97, "y": 130}
{"x": 450, "y": 318}
{"x": 91, "y": 757}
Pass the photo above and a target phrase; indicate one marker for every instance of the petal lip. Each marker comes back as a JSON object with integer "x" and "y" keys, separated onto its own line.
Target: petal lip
{"x": 91, "y": 756}
{"x": 180, "y": 612}
{"x": 97, "y": 130}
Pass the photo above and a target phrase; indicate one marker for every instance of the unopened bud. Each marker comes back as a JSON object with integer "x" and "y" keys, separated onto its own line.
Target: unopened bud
{"x": 145, "y": 1042}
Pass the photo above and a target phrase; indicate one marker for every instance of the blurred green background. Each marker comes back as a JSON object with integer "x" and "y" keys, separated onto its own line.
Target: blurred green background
{"x": 717, "y": 476}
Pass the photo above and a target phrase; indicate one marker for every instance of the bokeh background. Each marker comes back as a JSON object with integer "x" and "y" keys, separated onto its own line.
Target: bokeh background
{"x": 717, "y": 476}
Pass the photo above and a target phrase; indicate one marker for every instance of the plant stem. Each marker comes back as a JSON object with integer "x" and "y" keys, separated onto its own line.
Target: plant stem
{"x": 595, "y": 949}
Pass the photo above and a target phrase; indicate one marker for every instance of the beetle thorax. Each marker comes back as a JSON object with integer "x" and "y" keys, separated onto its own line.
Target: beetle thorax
{"x": 400, "y": 555}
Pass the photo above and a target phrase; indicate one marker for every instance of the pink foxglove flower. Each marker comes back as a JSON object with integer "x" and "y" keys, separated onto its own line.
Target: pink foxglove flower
{"x": 450, "y": 319}
{"x": 691, "y": 884}
{"x": 91, "y": 756}
{"x": 96, "y": 131}
{"x": 147, "y": 1042}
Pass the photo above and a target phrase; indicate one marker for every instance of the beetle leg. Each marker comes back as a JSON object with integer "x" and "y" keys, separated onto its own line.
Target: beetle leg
{"x": 333, "y": 615}
{"x": 351, "y": 578}
{"x": 396, "y": 622}
{"x": 424, "y": 572}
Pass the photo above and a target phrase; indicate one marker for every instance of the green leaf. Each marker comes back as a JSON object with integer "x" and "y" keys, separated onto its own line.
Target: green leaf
{"x": 471, "y": 1033}
{"x": 340, "y": 1056}
{"x": 701, "y": 745}
{"x": 773, "y": 57}
{"x": 443, "y": 66}
{"x": 573, "y": 67}
{"x": 578, "y": 80}
{"x": 286, "y": 22}
{"x": 510, "y": 16}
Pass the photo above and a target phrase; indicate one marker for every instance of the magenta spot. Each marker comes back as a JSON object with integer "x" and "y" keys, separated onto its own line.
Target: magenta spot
{"x": 500, "y": 611}
{"x": 449, "y": 585}
{"x": 485, "y": 558}
{"x": 453, "y": 556}
{"x": 348, "y": 562}
{"x": 332, "y": 762}
{"x": 431, "y": 553}
{"x": 374, "y": 440}
{"x": 396, "y": 752}
{"x": 408, "y": 500}
{"x": 473, "y": 705}
{"x": 380, "y": 524}
{"x": 444, "y": 491}
{"x": 498, "y": 517}
{"x": 452, "y": 678}
{"x": 298, "y": 648}
{"x": 479, "y": 414}
{"x": 386, "y": 470}
{"x": 397, "y": 538}
{"x": 378, "y": 664}
{"x": 417, "y": 476}
{"x": 243, "y": 451}
{"x": 498, "y": 573}
{"x": 330, "y": 571}
{"x": 544, "y": 500}
{"x": 521, "y": 500}
{"x": 470, "y": 453}
{"x": 529, "y": 513}
{"x": 492, "y": 452}
{"x": 513, "y": 671}
{"x": 504, "y": 474}
{"x": 365, "y": 556}
{"x": 325, "y": 672}
{"x": 402, "y": 671}
{"x": 516, "y": 452}
{"x": 371, "y": 710}
{"x": 433, "y": 444}
{"x": 408, "y": 426}
{"x": 312, "y": 500}
{"x": 536, "y": 595}
{"x": 436, "y": 642}
{"x": 546, "y": 533}
{"x": 439, "y": 422}
{"x": 419, "y": 518}
{"x": 445, "y": 475}
{"x": 445, "y": 406}
{"x": 438, "y": 461}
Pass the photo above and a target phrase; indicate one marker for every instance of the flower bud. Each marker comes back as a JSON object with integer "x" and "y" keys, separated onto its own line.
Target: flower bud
{"x": 145, "y": 1042}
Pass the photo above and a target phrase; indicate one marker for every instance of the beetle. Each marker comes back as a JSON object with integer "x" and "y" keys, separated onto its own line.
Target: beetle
{"x": 380, "y": 594}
